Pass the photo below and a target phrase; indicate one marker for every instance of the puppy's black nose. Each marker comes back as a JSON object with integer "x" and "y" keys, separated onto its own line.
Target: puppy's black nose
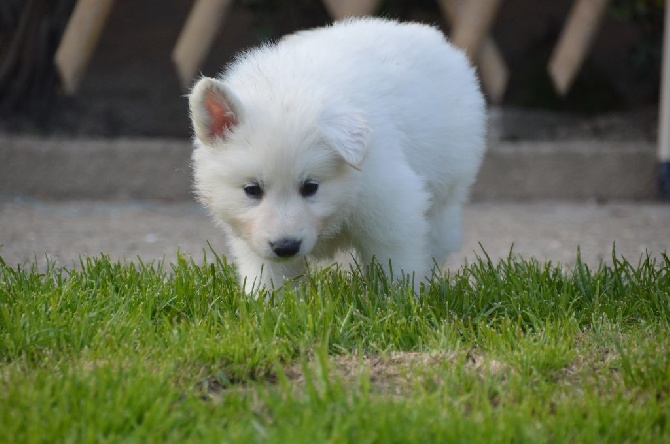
{"x": 285, "y": 247}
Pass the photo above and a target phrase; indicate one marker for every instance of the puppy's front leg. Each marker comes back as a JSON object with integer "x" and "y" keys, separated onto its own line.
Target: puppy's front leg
{"x": 401, "y": 248}
{"x": 406, "y": 259}
{"x": 392, "y": 228}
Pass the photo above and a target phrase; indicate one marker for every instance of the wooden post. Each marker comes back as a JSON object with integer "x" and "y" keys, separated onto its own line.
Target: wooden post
{"x": 492, "y": 67}
{"x": 339, "y": 9}
{"x": 196, "y": 37}
{"x": 575, "y": 42}
{"x": 79, "y": 40}
{"x": 664, "y": 114}
{"x": 475, "y": 18}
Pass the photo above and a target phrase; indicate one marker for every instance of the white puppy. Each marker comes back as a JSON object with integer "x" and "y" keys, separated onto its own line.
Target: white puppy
{"x": 366, "y": 134}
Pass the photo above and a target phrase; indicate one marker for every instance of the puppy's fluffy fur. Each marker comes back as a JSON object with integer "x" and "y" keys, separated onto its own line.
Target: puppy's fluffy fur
{"x": 366, "y": 134}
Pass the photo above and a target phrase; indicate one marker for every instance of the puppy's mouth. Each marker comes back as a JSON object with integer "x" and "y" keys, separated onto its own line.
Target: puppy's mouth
{"x": 286, "y": 260}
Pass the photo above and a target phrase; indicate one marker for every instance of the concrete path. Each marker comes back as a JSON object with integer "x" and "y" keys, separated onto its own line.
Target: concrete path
{"x": 547, "y": 231}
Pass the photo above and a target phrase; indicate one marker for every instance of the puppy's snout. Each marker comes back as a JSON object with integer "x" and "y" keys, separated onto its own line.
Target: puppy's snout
{"x": 286, "y": 247}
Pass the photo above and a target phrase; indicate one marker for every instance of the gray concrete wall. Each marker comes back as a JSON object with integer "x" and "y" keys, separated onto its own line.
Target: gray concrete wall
{"x": 159, "y": 169}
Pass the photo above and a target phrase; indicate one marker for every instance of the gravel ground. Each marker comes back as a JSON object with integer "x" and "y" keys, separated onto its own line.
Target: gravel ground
{"x": 126, "y": 231}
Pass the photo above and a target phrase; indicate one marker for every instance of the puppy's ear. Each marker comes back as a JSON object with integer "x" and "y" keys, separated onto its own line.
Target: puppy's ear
{"x": 214, "y": 110}
{"x": 348, "y": 134}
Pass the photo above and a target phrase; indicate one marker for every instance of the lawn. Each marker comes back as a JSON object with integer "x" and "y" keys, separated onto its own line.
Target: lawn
{"x": 515, "y": 351}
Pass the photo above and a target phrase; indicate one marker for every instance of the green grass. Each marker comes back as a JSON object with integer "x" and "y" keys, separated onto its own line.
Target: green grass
{"x": 515, "y": 351}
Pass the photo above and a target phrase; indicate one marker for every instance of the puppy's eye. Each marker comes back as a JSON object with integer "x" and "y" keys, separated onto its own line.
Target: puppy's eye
{"x": 309, "y": 188}
{"x": 253, "y": 190}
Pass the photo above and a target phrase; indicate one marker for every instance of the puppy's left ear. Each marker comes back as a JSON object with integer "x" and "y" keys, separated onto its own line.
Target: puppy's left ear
{"x": 214, "y": 110}
{"x": 348, "y": 134}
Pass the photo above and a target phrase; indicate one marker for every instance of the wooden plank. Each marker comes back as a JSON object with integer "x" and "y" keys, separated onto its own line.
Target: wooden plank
{"x": 493, "y": 72}
{"x": 475, "y": 18}
{"x": 197, "y": 36}
{"x": 79, "y": 40}
{"x": 575, "y": 42}
{"x": 492, "y": 67}
{"x": 339, "y": 9}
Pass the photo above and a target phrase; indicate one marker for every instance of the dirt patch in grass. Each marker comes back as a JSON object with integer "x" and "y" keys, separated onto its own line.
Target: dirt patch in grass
{"x": 396, "y": 373}
{"x": 399, "y": 373}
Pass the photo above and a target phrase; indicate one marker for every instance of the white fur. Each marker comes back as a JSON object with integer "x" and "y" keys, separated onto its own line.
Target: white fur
{"x": 388, "y": 118}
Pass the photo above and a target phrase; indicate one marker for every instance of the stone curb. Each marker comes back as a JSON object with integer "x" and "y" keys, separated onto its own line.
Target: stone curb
{"x": 159, "y": 169}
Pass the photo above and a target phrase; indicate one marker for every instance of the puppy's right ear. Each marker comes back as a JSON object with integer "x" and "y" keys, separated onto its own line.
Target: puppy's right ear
{"x": 348, "y": 134}
{"x": 214, "y": 110}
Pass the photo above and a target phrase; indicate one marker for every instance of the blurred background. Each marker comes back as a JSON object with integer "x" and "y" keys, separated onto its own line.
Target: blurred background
{"x": 130, "y": 86}
{"x": 95, "y": 140}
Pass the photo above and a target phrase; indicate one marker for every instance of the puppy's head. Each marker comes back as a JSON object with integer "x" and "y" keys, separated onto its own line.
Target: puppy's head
{"x": 278, "y": 171}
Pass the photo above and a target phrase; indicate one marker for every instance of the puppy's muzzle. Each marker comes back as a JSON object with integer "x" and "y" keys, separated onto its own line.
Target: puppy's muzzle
{"x": 286, "y": 247}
